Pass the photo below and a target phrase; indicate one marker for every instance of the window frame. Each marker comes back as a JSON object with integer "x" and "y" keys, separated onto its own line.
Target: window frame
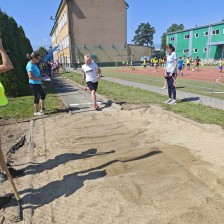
{"x": 195, "y": 50}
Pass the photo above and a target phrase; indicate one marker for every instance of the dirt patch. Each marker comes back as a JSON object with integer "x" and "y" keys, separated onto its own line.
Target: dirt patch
{"x": 137, "y": 165}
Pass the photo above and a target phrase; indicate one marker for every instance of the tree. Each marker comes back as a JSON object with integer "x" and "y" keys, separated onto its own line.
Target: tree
{"x": 144, "y": 35}
{"x": 42, "y": 51}
{"x": 174, "y": 27}
{"x": 16, "y": 45}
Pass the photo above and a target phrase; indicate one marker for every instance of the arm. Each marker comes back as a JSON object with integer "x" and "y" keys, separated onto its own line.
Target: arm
{"x": 6, "y": 63}
{"x": 98, "y": 73}
{"x": 83, "y": 77}
{"x": 174, "y": 68}
{"x": 30, "y": 75}
{"x": 165, "y": 69}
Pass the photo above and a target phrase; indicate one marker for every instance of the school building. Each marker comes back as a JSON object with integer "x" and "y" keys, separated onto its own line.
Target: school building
{"x": 95, "y": 27}
{"x": 206, "y": 42}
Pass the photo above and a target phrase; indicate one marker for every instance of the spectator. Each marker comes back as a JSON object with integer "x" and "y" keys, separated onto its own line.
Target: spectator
{"x": 35, "y": 83}
{"x": 171, "y": 74}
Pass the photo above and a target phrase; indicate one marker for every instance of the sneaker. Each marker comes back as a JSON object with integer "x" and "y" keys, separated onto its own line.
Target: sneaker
{"x": 3, "y": 177}
{"x": 164, "y": 87}
{"x": 15, "y": 173}
{"x": 168, "y": 101}
{"x": 5, "y": 199}
{"x": 172, "y": 102}
{"x": 43, "y": 110}
{"x": 38, "y": 113}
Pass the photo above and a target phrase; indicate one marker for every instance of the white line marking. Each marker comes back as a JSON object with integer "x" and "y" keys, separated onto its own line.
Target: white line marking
{"x": 217, "y": 80}
{"x": 88, "y": 103}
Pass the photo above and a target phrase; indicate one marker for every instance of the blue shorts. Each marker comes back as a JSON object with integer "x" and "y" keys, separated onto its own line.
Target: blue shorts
{"x": 180, "y": 68}
{"x": 220, "y": 67}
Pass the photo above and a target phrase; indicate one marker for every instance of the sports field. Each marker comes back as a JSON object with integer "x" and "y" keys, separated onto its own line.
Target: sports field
{"x": 207, "y": 81}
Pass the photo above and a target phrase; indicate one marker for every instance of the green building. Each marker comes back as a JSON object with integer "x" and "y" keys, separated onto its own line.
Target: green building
{"x": 206, "y": 42}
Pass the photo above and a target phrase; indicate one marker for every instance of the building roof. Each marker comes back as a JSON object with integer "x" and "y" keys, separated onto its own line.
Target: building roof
{"x": 197, "y": 27}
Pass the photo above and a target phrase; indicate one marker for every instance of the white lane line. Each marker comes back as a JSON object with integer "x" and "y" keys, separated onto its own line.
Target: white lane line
{"x": 87, "y": 103}
{"x": 217, "y": 80}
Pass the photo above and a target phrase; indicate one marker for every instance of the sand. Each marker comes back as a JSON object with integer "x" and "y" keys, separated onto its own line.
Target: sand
{"x": 137, "y": 165}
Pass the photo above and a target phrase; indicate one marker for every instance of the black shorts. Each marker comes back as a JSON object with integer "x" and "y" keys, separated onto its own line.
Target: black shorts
{"x": 38, "y": 92}
{"x": 92, "y": 85}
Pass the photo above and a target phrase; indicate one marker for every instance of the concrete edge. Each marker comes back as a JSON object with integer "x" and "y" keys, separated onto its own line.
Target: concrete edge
{"x": 97, "y": 94}
{"x": 28, "y": 213}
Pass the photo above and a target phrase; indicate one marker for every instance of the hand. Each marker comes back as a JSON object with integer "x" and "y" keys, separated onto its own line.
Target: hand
{"x": 98, "y": 76}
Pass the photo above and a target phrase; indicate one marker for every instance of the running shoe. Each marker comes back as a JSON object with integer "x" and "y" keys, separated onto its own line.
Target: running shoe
{"x": 38, "y": 113}
{"x": 172, "y": 102}
{"x": 43, "y": 110}
{"x": 168, "y": 101}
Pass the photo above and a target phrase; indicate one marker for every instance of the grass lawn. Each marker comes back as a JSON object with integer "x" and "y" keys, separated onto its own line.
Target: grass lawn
{"x": 130, "y": 95}
{"x": 22, "y": 107}
{"x": 186, "y": 85}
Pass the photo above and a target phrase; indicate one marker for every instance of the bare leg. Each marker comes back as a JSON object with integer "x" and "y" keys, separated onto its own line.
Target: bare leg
{"x": 165, "y": 83}
{"x": 93, "y": 95}
{"x": 42, "y": 104}
{"x": 36, "y": 107}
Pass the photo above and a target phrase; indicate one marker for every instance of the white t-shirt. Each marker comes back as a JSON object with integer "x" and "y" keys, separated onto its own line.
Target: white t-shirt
{"x": 90, "y": 71}
{"x": 170, "y": 61}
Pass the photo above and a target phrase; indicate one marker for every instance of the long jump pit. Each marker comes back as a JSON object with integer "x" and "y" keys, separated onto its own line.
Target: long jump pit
{"x": 137, "y": 165}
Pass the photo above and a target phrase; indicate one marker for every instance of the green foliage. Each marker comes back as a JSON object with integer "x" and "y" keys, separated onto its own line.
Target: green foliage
{"x": 174, "y": 27}
{"x": 16, "y": 45}
{"x": 144, "y": 35}
{"x": 42, "y": 51}
{"x": 163, "y": 41}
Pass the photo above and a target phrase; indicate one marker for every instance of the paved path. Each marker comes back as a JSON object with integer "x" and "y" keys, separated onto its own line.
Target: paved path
{"x": 76, "y": 98}
{"x": 196, "y": 98}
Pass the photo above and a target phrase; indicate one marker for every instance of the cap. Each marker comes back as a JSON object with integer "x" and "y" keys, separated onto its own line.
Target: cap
{"x": 3, "y": 99}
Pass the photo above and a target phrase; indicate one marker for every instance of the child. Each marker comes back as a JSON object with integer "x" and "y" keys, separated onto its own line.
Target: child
{"x": 220, "y": 65}
{"x": 91, "y": 73}
{"x": 180, "y": 66}
{"x": 132, "y": 64}
{"x": 188, "y": 62}
{"x": 145, "y": 63}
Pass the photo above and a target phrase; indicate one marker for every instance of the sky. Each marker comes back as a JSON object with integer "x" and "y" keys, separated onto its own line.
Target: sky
{"x": 34, "y": 16}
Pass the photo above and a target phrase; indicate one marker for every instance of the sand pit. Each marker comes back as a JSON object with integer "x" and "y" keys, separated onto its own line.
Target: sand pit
{"x": 137, "y": 165}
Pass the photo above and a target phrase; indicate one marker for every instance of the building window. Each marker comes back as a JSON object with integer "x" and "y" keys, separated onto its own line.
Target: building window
{"x": 172, "y": 39}
{"x": 215, "y": 32}
{"x": 195, "y": 50}
{"x": 186, "y": 51}
{"x": 196, "y": 35}
{"x": 187, "y": 36}
{"x": 206, "y": 33}
{"x": 205, "y": 49}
